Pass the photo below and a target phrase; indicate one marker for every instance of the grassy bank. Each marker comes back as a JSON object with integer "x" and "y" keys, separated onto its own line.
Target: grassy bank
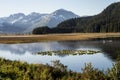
{"x": 53, "y": 37}
{"x": 15, "y": 70}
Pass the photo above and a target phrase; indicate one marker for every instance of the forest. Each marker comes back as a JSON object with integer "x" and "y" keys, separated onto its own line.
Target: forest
{"x": 107, "y": 21}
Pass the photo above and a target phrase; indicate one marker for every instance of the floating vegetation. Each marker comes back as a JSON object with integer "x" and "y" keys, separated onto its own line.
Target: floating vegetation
{"x": 68, "y": 52}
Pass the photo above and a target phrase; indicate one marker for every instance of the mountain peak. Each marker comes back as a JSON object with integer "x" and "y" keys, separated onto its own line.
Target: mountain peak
{"x": 17, "y": 14}
{"x": 26, "y": 23}
{"x": 62, "y": 11}
{"x": 34, "y": 13}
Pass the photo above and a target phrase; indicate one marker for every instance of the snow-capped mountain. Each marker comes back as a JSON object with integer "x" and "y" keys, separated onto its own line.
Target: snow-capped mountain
{"x": 56, "y": 17}
{"x": 21, "y": 23}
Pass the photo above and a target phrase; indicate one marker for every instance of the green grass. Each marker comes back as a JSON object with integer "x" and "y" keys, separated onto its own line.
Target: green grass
{"x": 15, "y": 70}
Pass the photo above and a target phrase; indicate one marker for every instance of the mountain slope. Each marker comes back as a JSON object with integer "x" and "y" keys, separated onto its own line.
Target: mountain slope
{"x": 53, "y": 19}
{"x": 107, "y": 21}
{"x": 20, "y": 23}
{"x": 56, "y": 17}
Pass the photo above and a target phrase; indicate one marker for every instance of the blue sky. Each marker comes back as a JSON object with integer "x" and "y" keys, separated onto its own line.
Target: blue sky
{"x": 80, "y": 7}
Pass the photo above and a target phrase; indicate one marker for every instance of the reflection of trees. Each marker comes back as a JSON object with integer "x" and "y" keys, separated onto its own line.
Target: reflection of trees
{"x": 112, "y": 50}
{"x": 71, "y": 45}
{"x": 110, "y": 46}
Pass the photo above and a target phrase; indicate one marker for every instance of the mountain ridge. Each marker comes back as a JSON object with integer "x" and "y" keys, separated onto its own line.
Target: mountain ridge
{"x": 106, "y": 21}
{"x": 26, "y": 23}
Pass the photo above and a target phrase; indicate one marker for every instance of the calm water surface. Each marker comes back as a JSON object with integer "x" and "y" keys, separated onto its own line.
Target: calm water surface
{"x": 25, "y": 52}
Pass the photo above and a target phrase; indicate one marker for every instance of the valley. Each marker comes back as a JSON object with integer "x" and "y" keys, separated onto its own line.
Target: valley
{"x": 77, "y": 41}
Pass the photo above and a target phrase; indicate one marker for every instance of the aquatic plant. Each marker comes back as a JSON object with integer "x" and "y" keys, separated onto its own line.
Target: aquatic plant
{"x": 68, "y": 52}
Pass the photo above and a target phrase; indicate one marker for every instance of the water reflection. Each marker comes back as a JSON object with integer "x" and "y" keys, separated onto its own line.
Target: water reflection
{"x": 111, "y": 49}
{"x": 25, "y": 52}
{"x": 75, "y": 63}
{"x": 48, "y": 46}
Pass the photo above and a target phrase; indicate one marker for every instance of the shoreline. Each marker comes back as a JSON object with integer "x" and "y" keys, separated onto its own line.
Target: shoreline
{"x": 10, "y": 39}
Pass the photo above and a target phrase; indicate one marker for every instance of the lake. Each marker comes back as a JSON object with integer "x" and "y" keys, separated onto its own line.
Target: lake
{"x": 109, "y": 47}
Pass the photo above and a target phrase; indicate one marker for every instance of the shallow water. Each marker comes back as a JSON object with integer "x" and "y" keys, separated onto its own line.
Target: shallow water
{"x": 25, "y": 52}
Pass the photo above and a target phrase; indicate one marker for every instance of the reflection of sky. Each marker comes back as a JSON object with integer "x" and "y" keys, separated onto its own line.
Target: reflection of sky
{"x": 74, "y": 63}
{"x": 23, "y": 52}
{"x": 46, "y": 46}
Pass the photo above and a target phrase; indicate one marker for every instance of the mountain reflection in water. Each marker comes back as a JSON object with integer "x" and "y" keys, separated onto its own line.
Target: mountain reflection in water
{"x": 25, "y": 52}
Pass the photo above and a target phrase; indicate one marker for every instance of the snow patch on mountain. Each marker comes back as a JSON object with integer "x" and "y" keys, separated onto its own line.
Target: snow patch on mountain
{"x": 21, "y": 23}
{"x": 16, "y": 20}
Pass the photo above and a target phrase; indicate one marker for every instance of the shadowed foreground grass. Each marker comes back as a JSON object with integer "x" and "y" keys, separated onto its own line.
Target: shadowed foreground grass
{"x": 15, "y": 70}
{"x": 54, "y": 37}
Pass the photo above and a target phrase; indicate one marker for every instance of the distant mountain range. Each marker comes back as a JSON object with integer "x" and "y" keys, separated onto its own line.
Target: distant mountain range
{"x": 21, "y": 23}
{"x": 106, "y": 21}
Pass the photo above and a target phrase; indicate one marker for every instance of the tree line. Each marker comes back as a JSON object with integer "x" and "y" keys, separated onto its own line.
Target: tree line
{"x": 107, "y": 21}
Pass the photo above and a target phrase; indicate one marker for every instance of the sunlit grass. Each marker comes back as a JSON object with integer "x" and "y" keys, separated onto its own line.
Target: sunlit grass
{"x": 15, "y": 70}
{"x": 53, "y": 37}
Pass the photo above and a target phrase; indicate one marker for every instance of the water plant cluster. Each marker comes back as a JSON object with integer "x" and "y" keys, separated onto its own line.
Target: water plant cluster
{"x": 68, "y": 52}
{"x": 15, "y": 70}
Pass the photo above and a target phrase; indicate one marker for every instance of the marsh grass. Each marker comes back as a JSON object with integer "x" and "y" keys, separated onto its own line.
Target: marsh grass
{"x": 53, "y": 37}
{"x": 68, "y": 52}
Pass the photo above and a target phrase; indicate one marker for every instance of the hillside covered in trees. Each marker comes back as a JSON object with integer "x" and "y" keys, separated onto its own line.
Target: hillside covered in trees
{"x": 107, "y": 21}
